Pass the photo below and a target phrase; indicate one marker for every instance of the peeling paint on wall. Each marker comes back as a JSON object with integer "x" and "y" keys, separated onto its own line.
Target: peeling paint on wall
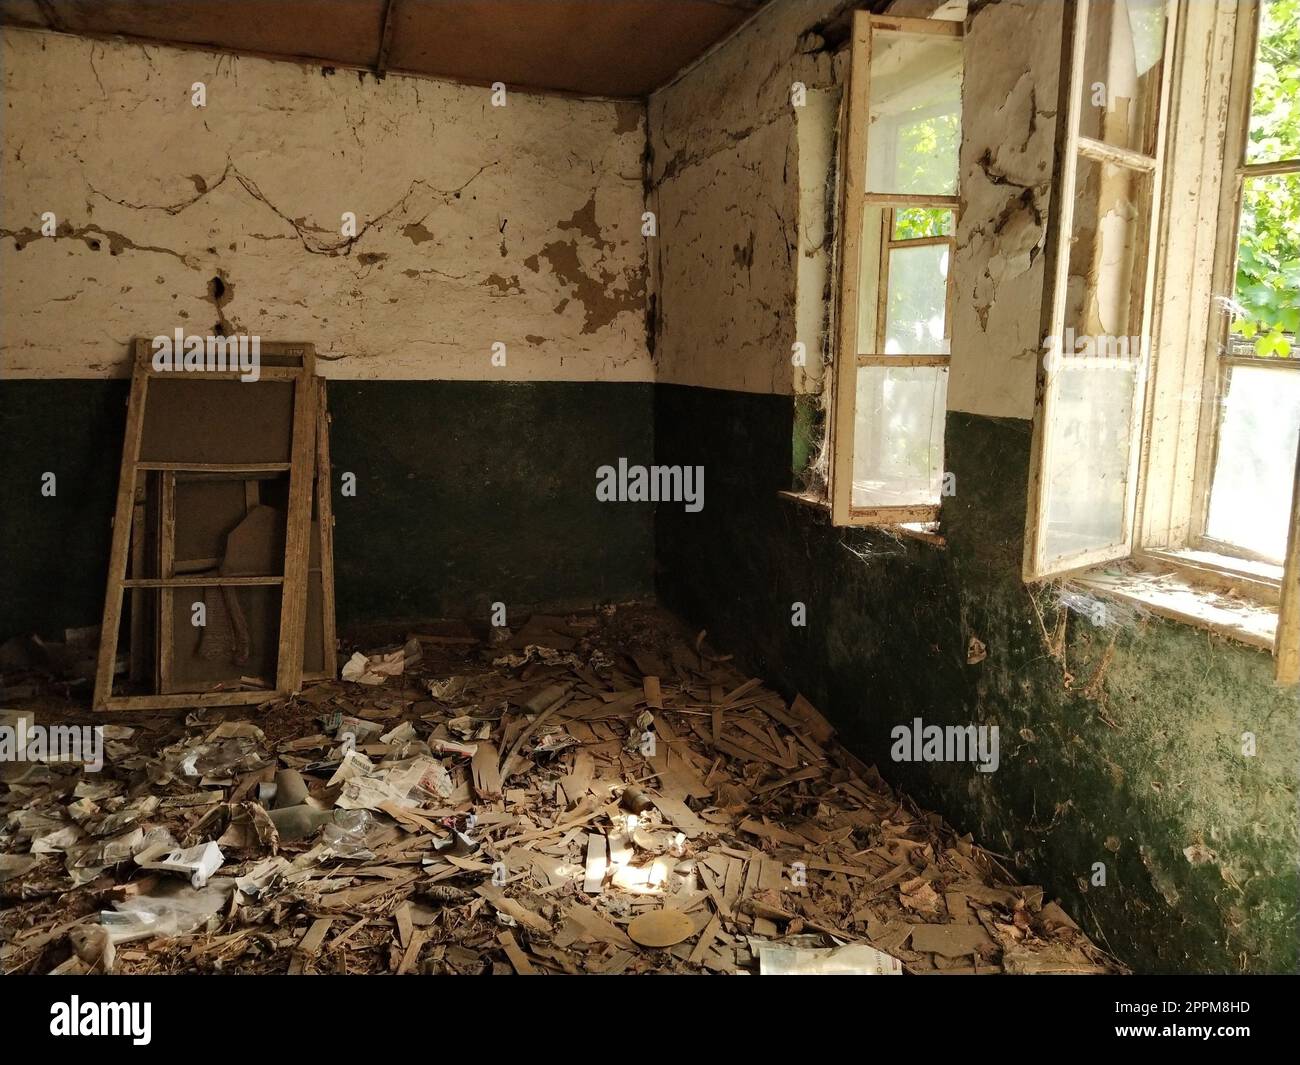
{"x": 734, "y": 222}
{"x": 1009, "y": 107}
{"x": 452, "y": 198}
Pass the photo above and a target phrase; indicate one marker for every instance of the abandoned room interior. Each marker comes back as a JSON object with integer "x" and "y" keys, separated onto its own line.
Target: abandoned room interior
{"x": 660, "y": 486}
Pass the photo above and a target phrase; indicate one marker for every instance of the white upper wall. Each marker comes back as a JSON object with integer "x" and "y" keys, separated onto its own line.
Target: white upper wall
{"x": 476, "y": 224}
{"x": 726, "y": 184}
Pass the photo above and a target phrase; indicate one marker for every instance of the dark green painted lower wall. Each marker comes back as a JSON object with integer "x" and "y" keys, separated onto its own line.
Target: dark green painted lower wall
{"x": 470, "y": 493}
{"x": 466, "y": 493}
{"x": 54, "y": 558}
{"x": 1125, "y": 751}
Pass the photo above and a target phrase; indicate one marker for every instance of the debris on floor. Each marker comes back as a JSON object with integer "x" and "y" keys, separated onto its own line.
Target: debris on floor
{"x": 591, "y": 794}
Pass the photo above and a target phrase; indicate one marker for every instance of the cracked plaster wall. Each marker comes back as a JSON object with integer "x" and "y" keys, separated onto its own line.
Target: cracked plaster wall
{"x": 725, "y": 181}
{"x": 475, "y": 223}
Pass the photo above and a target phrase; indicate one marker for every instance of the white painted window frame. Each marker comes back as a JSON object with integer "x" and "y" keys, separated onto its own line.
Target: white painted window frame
{"x": 854, "y": 199}
{"x": 1038, "y": 564}
{"x": 1173, "y": 461}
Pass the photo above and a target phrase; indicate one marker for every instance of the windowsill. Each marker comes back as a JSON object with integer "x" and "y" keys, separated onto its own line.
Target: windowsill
{"x": 1258, "y": 580}
{"x": 1172, "y": 595}
{"x": 925, "y": 532}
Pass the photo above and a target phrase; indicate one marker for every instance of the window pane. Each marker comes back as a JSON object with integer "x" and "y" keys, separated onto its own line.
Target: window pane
{"x": 916, "y": 306}
{"x": 915, "y": 121}
{"x": 1275, "y": 103}
{"x": 1091, "y": 440}
{"x": 1254, "y": 470}
{"x": 1121, "y": 73}
{"x": 1266, "y": 292}
{"x": 1108, "y": 255}
{"x": 911, "y": 223}
{"x": 898, "y": 435}
{"x": 1094, "y": 385}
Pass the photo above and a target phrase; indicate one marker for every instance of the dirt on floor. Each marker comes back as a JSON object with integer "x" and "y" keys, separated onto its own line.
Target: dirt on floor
{"x": 596, "y": 793}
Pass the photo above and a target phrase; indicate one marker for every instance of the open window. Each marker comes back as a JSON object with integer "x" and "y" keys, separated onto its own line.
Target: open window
{"x": 1168, "y": 420}
{"x": 1087, "y": 433}
{"x": 1247, "y": 462}
{"x": 898, "y": 221}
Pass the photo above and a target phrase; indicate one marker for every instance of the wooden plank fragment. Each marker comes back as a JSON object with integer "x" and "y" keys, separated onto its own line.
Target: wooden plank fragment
{"x": 597, "y": 864}
{"x": 818, "y": 727}
{"x": 680, "y": 815}
{"x": 402, "y": 915}
{"x": 950, "y": 940}
{"x": 485, "y": 767}
{"x": 311, "y": 942}
{"x": 511, "y": 908}
{"x": 515, "y": 953}
{"x": 705, "y": 941}
{"x": 122, "y": 515}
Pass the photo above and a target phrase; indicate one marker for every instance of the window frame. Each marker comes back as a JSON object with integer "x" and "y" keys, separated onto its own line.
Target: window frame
{"x": 1201, "y": 155}
{"x": 1071, "y": 147}
{"x": 854, "y": 200}
{"x": 1219, "y": 359}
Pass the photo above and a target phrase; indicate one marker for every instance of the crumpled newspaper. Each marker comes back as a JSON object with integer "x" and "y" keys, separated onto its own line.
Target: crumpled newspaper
{"x": 374, "y": 670}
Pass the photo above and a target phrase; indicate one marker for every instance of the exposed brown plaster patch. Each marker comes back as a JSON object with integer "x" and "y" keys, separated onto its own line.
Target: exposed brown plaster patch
{"x": 503, "y": 285}
{"x": 584, "y": 221}
{"x": 605, "y": 295}
{"x": 416, "y": 233}
{"x": 534, "y": 339}
{"x": 601, "y": 300}
{"x": 627, "y": 117}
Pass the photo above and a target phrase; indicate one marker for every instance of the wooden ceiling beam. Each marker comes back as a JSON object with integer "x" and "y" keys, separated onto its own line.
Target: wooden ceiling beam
{"x": 385, "y": 38}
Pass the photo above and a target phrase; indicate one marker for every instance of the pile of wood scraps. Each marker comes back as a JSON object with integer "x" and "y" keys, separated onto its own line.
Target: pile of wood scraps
{"x": 589, "y": 794}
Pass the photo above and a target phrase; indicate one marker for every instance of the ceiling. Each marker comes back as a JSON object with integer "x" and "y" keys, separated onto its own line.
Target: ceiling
{"x": 619, "y": 48}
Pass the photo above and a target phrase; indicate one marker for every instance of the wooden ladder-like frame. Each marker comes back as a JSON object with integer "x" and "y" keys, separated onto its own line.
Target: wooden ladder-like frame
{"x": 309, "y": 448}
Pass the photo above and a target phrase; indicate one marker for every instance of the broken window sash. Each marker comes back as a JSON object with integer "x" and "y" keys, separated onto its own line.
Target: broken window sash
{"x": 1087, "y": 426}
{"x": 898, "y": 221}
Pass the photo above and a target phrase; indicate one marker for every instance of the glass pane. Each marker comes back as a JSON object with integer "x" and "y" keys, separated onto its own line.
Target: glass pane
{"x": 898, "y": 435}
{"x": 915, "y": 121}
{"x": 1254, "y": 470}
{"x": 1275, "y": 104}
{"x": 911, "y": 223}
{"x": 1108, "y": 255}
{"x": 1266, "y": 296}
{"x": 916, "y": 306}
{"x": 1094, "y": 385}
{"x": 1121, "y": 73}
{"x": 1090, "y": 432}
